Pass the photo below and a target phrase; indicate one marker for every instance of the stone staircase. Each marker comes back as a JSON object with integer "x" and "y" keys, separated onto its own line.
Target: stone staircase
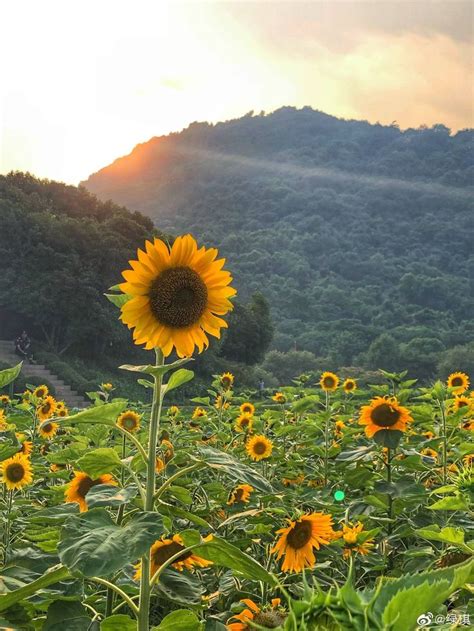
{"x": 40, "y": 371}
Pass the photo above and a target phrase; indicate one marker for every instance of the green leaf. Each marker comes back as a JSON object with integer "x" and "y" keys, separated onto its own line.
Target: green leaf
{"x": 300, "y": 405}
{"x": 237, "y": 470}
{"x": 99, "y": 461}
{"x": 177, "y": 379}
{"x": 108, "y": 495}
{"x": 454, "y": 536}
{"x": 179, "y": 620}
{"x": 145, "y": 383}
{"x": 223, "y": 553}
{"x": 388, "y": 437}
{"x": 453, "y": 502}
{"x": 93, "y": 544}
{"x": 358, "y": 453}
{"x": 106, "y": 414}
{"x": 74, "y": 617}
{"x": 118, "y": 299}
{"x": 7, "y": 450}
{"x": 119, "y": 622}
{"x": 53, "y": 575}
{"x": 9, "y": 374}
{"x": 180, "y": 587}
{"x": 156, "y": 371}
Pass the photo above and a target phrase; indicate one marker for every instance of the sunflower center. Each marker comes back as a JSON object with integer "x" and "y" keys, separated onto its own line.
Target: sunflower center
{"x": 299, "y": 535}
{"x": 269, "y": 619}
{"x": 384, "y": 415}
{"x": 178, "y": 297}
{"x": 329, "y": 382}
{"x": 462, "y": 404}
{"x": 47, "y": 428}
{"x": 238, "y": 495}
{"x": 129, "y": 422}
{"x": 259, "y": 448}
{"x": 46, "y": 408}
{"x": 15, "y": 472}
{"x": 85, "y": 485}
{"x": 457, "y": 381}
{"x": 163, "y": 553}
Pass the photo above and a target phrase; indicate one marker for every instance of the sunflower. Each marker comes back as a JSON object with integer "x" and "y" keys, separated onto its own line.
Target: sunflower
{"x": 26, "y": 445}
{"x": 352, "y": 540}
{"x": 259, "y": 447}
{"x": 130, "y": 421}
{"x": 293, "y": 481}
{"x": 244, "y": 423}
{"x": 241, "y": 493}
{"x": 329, "y": 381}
{"x": 458, "y": 381}
{"x": 429, "y": 453}
{"x": 3, "y": 420}
{"x": 48, "y": 430}
{"x": 163, "y": 549}
{"x": 469, "y": 425}
{"x": 62, "y": 413}
{"x": 269, "y": 618}
{"x": 60, "y": 405}
{"x": 199, "y": 413}
{"x": 338, "y": 427}
{"x": 107, "y": 387}
{"x": 461, "y": 402}
{"x": 168, "y": 450}
{"x": 81, "y": 484}
{"x": 468, "y": 460}
{"x": 16, "y": 472}
{"x": 173, "y": 410}
{"x": 227, "y": 380}
{"x": 384, "y": 413}
{"x": 349, "y": 385}
{"x": 220, "y": 403}
{"x": 4, "y": 399}
{"x": 46, "y": 408}
{"x": 279, "y": 397}
{"x": 428, "y": 435}
{"x": 300, "y": 537}
{"x": 176, "y": 295}
{"x": 40, "y": 392}
{"x": 247, "y": 408}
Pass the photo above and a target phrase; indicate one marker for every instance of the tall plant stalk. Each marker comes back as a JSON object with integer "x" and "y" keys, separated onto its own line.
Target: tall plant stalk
{"x": 154, "y": 430}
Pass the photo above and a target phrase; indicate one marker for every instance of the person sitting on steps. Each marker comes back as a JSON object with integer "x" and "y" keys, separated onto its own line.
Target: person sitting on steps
{"x": 23, "y": 347}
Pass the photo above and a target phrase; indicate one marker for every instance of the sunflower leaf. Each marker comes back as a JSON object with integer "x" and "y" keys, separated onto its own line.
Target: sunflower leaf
{"x": 99, "y": 461}
{"x": 92, "y": 544}
{"x": 118, "y": 622}
{"x": 109, "y": 495}
{"x": 388, "y": 437}
{"x": 238, "y": 470}
{"x": 9, "y": 374}
{"x": 106, "y": 414}
{"x": 223, "y": 553}
{"x": 179, "y": 620}
{"x": 118, "y": 299}
{"x": 156, "y": 371}
{"x": 177, "y": 379}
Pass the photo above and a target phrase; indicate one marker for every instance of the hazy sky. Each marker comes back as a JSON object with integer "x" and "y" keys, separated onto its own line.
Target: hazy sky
{"x": 83, "y": 81}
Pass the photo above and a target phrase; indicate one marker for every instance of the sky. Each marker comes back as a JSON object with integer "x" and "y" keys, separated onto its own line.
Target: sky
{"x": 84, "y": 81}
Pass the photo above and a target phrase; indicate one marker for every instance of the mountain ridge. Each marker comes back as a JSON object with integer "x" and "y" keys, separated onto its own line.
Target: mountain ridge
{"x": 332, "y": 220}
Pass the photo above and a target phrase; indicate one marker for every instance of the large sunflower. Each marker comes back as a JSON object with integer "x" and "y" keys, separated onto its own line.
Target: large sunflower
{"x": 48, "y": 430}
{"x": 241, "y": 493}
{"x": 129, "y": 420}
{"x": 329, "y": 381}
{"x": 177, "y": 295}
{"x": 384, "y": 413}
{"x": 16, "y": 472}
{"x": 259, "y": 447}
{"x": 300, "y": 537}
{"x": 46, "y": 408}
{"x": 163, "y": 549}
{"x": 458, "y": 381}
{"x": 81, "y": 484}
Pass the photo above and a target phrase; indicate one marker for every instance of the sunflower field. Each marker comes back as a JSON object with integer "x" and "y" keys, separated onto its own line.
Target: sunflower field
{"x": 325, "y": 505}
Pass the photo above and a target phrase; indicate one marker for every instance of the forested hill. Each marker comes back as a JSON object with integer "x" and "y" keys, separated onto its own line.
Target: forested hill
{"x": 359, "y": 235}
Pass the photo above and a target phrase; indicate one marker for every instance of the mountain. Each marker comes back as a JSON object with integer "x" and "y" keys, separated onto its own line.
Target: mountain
{"x": 358, "y": 234}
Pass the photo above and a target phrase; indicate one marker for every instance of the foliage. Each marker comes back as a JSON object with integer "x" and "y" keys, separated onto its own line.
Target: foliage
{"x": 350, "y": 230}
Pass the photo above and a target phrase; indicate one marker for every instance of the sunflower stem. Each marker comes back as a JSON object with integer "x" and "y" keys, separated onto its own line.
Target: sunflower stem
{"x": 7, "y": 526}
{"x": 145, "y": 585}
{"x": 445, "y": 441}
{"x": 326, "y": 441}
